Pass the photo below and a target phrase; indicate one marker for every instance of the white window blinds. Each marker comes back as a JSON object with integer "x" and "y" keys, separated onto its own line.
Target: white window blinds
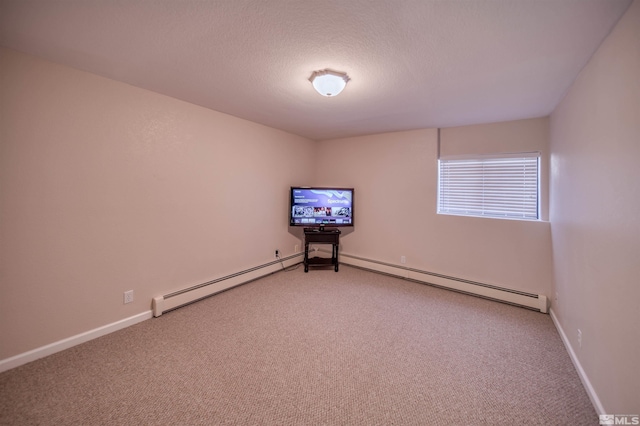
{"x": 503, "y": 186}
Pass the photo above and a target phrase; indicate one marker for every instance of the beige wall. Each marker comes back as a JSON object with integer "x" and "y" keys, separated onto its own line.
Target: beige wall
{"x": 395, "y": 176}
{"x": 105, "y": 187}
{"x": 595, "y": 216}
{"x": 510, "y": 136}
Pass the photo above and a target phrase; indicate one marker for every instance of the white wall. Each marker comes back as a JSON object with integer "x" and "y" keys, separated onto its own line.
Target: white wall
{"x": 105, "y": 187}
{"x": 595, "y": 216}
{"x": 395, "y": 177}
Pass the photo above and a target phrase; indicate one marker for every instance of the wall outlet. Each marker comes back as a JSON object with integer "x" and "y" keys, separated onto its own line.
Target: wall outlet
{"x": 579, "y": 338}
{"x": 296, "y": 248}
{"x": 403, "y": 259}
{"x": 277, "y": 253}
{"x": 128, "y": 296}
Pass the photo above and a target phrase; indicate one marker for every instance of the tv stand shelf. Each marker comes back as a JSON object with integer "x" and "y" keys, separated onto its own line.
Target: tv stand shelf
{"x": 325, "y": 236}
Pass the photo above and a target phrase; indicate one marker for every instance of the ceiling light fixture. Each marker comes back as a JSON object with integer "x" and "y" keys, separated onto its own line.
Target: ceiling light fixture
{"x": 328, "y": 82}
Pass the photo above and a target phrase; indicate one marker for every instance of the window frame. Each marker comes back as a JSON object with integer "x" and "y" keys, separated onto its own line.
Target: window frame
{"x": 488, "y": 208}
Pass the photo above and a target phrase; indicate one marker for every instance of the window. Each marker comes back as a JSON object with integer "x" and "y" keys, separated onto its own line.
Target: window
{"x": 502, "y": 186}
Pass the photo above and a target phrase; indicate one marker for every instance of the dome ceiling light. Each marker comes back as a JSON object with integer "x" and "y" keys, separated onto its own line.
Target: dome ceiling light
{"x": 328, "y": 82}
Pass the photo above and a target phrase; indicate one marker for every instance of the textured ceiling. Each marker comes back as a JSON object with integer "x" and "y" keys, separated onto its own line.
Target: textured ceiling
{"x": 413, "y": 63}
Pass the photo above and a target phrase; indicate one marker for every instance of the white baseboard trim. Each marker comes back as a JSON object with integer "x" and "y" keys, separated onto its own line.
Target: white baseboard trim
{"x": 593, "y": 396}
{"x": 50, "y": 349}
{"x": 211, "y": 288}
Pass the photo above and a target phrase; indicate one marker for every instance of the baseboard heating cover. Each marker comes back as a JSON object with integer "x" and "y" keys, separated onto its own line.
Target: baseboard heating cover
{"x": 532, "y": 301}
{"x": 177, "y": 299}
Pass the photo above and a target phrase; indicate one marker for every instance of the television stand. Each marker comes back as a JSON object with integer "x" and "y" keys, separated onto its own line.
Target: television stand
{"x": 321, "y": 236}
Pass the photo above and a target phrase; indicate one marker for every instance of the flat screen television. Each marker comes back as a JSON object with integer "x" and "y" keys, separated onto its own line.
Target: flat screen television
{"x": 320, "y": 207}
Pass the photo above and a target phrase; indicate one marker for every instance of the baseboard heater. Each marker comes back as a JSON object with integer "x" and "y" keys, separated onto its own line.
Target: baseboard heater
{"x": 537, "y": 302}
{"x": 177, "y": 299}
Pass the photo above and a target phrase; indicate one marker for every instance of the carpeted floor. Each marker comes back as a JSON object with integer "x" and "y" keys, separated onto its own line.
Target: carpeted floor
{"x": 323, "y": 348}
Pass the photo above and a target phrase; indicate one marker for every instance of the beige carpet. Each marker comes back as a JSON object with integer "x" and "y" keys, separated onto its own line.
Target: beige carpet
{"x": 323, "y": 348}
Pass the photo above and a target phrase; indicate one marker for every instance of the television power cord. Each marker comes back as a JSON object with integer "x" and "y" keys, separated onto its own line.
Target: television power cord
{"x": 289, "y": 269}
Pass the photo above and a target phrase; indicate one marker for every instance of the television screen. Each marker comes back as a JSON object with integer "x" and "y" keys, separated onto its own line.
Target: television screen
{"x": 320, "y": 207}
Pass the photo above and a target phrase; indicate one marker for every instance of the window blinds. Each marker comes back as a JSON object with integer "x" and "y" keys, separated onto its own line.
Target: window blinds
{"x": 504, "y": 186}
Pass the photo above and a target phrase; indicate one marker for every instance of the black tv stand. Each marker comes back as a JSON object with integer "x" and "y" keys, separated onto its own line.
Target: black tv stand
{"x": 321, "y": 236}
